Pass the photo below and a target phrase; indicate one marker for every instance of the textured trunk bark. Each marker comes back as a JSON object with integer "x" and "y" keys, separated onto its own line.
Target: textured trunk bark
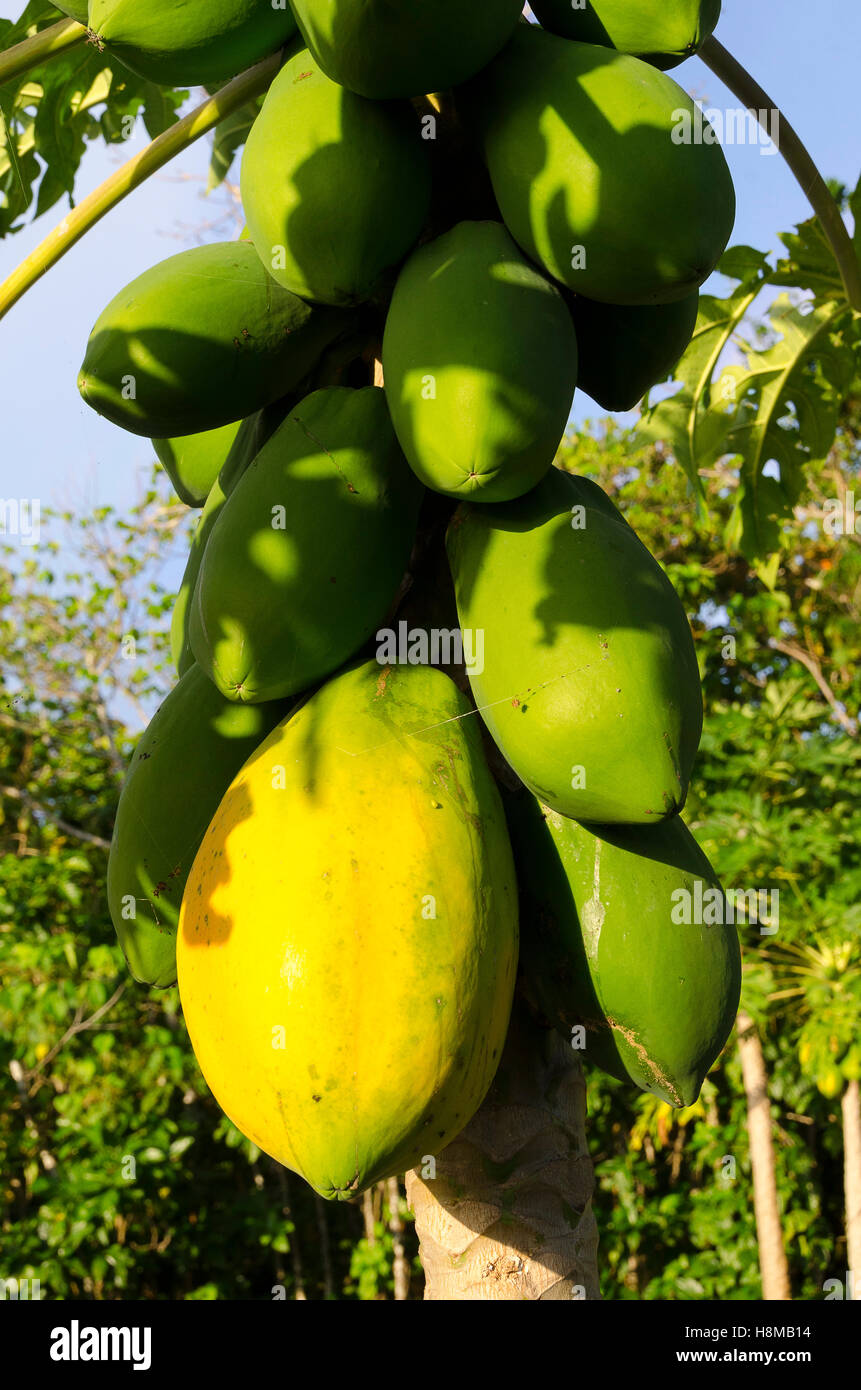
{"x": 509, "y": 1213}
{"x": 852, "y": 1183}
{"x": 772, "y": 1255}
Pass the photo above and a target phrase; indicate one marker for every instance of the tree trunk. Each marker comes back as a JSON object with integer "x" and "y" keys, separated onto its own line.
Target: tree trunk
{"x": 852, "y": 1183}
{"x": 508, "y": 1214}
{"x": 400, "y": 1263}
{"x": 772, "y": 1255}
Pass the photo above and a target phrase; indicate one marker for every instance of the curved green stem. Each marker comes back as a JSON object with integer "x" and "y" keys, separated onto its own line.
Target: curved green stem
{"x": 50, "y": 43}
{"x": 814, "y": 187}
{"x": 94, "y": 207}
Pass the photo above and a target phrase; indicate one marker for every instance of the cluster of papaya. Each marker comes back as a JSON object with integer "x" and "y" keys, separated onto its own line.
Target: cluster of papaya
{"x": 345, "y": 847}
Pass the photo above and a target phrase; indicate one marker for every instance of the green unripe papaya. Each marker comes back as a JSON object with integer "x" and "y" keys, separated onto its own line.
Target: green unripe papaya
{"x": 480, "y": 365}
{"x": 183, "y": 764}
{"x": 320, "y": 157}
{"x": 252, "y": 435}
{"x": 190, "y": 44}
{"x": 625, "y": 349}
{"x": 589, "y": 683}
{"x": 200, "y": 340}
{"x": 663, "y": 32}
{"x": 625, "y": 932}
{"x": 596, "y": 166}
{"x": 308, "y": 551}
{"x": 194, "y": 461}
{"x": 383, "y": 50}
{"x": 75, "y": 9}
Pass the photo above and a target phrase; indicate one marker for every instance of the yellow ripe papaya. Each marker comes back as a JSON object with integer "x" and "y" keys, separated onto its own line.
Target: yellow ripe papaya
{"x": 663, "y": 32}
{"x": 589, "y": 683}
{"x": 480, "y": 365}
{"x": 203, "y": 338}
{"x": 384, "y": 50}
{"x": 306, "y": 556}
{"x": 191, "y": 44}
{"x": 625, "y": 934}
{"x": 184, "y": 762}
{"x": 348, "y": 937}
{"x": 604, "y": 169}
{"x": 194, "y": 461}
{"x": 355, "y": 165}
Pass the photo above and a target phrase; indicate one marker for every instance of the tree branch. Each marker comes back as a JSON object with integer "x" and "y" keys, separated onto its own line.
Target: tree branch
{"x": 79, "y": 1026}
{"x": 132, "y": 174}
{"x": 40, "y": 48}
{"x": 810, "y": 663}
{"x": 68, "y": 829}
{"x": 812, "y": 184}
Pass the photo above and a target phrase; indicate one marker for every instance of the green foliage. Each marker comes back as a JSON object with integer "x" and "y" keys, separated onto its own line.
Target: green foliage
{"x": 49, "y": 115}
{"x": 776, "y": 411}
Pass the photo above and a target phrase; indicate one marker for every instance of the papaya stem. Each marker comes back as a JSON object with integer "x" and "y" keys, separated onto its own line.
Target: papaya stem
{"x": 39, "y": 48}
{"x": 796, "y": 155}
{"x": 133, "y": 173}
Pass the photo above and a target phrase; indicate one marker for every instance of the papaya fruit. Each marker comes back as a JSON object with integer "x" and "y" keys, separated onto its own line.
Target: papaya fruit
{"x": 307, "y": 553}
{"x": 626, "y": 349}
{"x": 348, "y": 938}
{"x": 75, "y": 9}
{"x": 384, "y": 50}
{"x": 194, "y": 461}
{"x": 246, "y": 445}
{"x": 253, "y": 434}
{"x": 192, "y": 44}
{"x": 611, "y": 941}
{"x": 662, "y": 34}
{"x": 183, "y": 764}
{"x": 480, "y": 365}
{"x": 357, "y": 165}
{"x": 586, "y": 154}
{"x": 590, "y": 686}
{"x": 200, "y": 340}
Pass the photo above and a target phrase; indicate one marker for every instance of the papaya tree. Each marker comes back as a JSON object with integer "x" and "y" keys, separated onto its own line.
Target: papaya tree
{"x": 435, "y": 691}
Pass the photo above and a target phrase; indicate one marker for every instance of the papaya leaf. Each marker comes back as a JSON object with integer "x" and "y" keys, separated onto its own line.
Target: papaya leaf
{"x": 810, "y": 264}
{"x": 785, "y": 402}
{"x": 50, "y": 114}
{"x": 694, "y": 431}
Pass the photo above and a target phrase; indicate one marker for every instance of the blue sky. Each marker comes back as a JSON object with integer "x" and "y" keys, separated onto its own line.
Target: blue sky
{"x": 54, "y": 447}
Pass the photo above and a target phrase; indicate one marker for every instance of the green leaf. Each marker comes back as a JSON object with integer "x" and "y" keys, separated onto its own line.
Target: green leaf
{"x": 685, "y": 421}
{"x": 787, "y": 402}
{"x": 50, "y": 114}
